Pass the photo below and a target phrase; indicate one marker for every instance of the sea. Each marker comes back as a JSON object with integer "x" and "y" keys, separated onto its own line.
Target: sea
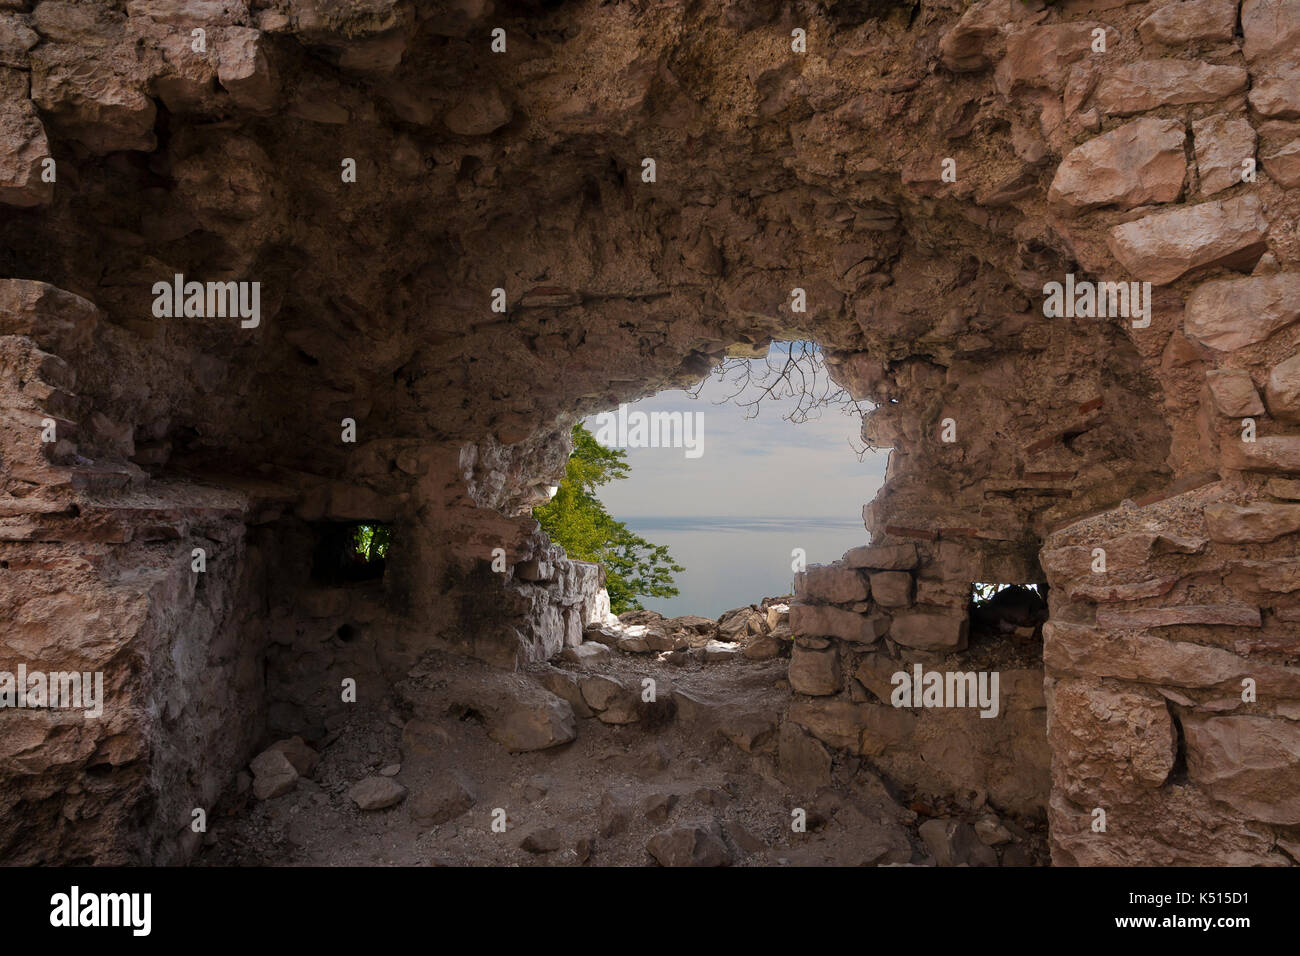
{"x": 731, "y": 562}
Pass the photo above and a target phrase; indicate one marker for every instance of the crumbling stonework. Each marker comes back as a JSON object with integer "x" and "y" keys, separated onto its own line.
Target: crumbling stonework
{"x": 379, "y": 170}
{"x": 846, "y": 656}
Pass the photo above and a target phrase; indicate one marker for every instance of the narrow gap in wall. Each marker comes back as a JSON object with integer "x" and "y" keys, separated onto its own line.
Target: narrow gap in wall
{"x": 350, "y": 552}
{"x": 1019, "y": 609}
{"x": 1006, "y": 623}
{"x": 1178, "y": 772}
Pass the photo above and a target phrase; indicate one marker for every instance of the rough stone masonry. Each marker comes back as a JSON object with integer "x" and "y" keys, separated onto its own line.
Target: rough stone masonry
{"x": 920, "y": 170}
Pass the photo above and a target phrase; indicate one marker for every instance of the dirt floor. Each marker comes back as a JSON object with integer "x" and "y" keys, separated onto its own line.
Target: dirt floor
{"x": 694, "y": 779}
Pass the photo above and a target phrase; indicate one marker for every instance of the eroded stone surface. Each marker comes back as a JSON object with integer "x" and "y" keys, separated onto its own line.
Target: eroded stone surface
{"x": 1269, "y": 26}
{"x": 1137, "y": 163}
{"x": 1234, "y": 393}
{"x": 1283, "y": 165}
{"x": 696, "y": 845}
{"x": 1282, "y": 390}
{"x": 1164, "y": 246}
{"x": 1247, "y": 762}
{"x": 1175, "y": 24}
{"x": 930, "y": 631}
{"x": 1232, "y": 313}
{"x": 1038, "y": 56}
{"x": 1261, "y": 521}
{"x": 376, "y": 793}
{"x": 1224, "y": 144}
{"x": 815, "y": 671}
{"x": 1277, "y": 454}
{"x": 823, "y": 621}
{"x": 836, "y": 585}
{"x": 1150, "y": 84}
{"x": 774, "y": 172}
{"x": 1097, "y": 722}
{"x": 23, "y": 145}
{"x": 1275, "y": 94}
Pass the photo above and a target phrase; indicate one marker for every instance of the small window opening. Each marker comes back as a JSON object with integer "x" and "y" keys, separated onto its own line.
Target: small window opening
{"x": 1016, "y": 609}
{"x": 356, "y": 551}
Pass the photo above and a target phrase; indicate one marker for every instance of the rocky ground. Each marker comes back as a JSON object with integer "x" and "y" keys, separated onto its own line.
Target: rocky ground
{"x": 656, "y": 740}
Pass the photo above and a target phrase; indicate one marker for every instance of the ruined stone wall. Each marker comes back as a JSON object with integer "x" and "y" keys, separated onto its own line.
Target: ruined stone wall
{"x": 883, "y": 610}
{"x": 821, "y": 170}
{"x": 1176, "y": 655}
{"x": 98, "y": 579}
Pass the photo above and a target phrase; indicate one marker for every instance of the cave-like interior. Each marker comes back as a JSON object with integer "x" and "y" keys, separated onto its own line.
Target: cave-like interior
{"x": 472, "y": 223}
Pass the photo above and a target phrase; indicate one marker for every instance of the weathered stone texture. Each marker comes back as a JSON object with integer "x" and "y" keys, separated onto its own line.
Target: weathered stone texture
{"x": 478, "y": 171}
{"x": 1138, "y": 163}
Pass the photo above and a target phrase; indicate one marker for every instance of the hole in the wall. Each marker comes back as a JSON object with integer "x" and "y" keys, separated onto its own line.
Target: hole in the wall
{"x": 347, "y": 633}
{"x": 1017, "y": 610}
{"x": 1004, "y": 635}
{"x": 468, "y": 714}
{"x": 469, "y": 165}
{"x": 1178, "y": 772}
{"x": 185, "y": 438}
{"x": 743, "y": 478}
{"x": 1006, "y": 625}
{"x": 349, "y": 552}
{"x": 617, "y": 174}
{"x": 1070, "y": 437}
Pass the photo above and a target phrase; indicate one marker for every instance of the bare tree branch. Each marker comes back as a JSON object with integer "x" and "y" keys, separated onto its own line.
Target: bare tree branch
{"x": 799, "y": 372}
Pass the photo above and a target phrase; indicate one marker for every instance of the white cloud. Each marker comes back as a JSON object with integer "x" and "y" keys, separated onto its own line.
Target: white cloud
{"x": 764, "y": 466}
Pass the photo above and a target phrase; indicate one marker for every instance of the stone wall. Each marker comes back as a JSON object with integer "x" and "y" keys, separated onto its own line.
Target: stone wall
{"x": 883, "y": 610}
{"x": 197, "y": 666}
{"x": 778, "y": 170}
{"x": 97, "y": 579}
{"x": 1177, "y": 655}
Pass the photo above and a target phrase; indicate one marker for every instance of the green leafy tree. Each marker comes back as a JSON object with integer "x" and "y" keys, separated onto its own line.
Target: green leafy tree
{"x": 576, "y": 519}
{"x": 370, "y": 541}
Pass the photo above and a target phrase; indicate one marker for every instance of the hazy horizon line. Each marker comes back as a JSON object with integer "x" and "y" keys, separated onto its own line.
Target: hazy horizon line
{"x": 855, "y": 521}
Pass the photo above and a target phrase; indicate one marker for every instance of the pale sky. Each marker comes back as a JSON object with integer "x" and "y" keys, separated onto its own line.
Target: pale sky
{"x": 764, "y": 466}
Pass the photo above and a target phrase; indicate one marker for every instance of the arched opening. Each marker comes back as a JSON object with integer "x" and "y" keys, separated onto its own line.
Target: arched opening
{"x": 768, "y": 474}
{"x": 859, "y": 660}
{"x": 450, "y": 260}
